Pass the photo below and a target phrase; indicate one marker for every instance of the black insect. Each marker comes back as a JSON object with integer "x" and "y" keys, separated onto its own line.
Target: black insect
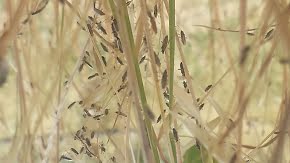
{"x": 142, "y": 59}
{"x": 98, "y": 116}
{"x": 103, "y": 149}
{"x": 208, "y": 88}
{"x": 113, "y": 159}
{"x": 101, "y": 28}
{"x": 90, "y": 29}
{"x": 269, "y": 34}
{"x": 81, "y": 150}
{"x": 71, "y": 104}
{"x": 104, "y": 47}
{"x": 164, "y": 79}
{"x": 104, "y": 60}
{"x": 123, "y": 86}
{"x": 74, "y": 151}
{"x": 201, "y": 106}
{"x": 183, "y": 39}
{"x": 158, "y": 119}
{"x": 152, "y": 21}
{"x": 284, "y": 61}
{"x": 175, "y": 134}
{"x": 182, "y": 69}
{"x": 88, "y": 141}
{"x": 121, "y": 113}
{"x": 87, "y": 63}
{"x": 84, "y": 128}
{"x": 63, "y": 157}
{"x": 124, "y": 77}
{"x": 164, "y": 44}
{"x": 106, "y": 111}
{"x": 92, "y": 76}
{"x": 120, "y": 61}
{"x": 115, "y": 27}
{"x": 98, "y": 11}
{"x": 43, "y": 3}
{"x": 155, "y": 11}
{"x": 92, "y": 134}
{"x": 119, "y": 45}
{"x": 82, "y": 27}
{"x": 244, "y": 54}
{"x": 184, "y": 84}
{"x": 157, "y": 60}
{"x": 81, "y": 67}
{"x": 128, "y": 3}
{"x": 87, "y": 113}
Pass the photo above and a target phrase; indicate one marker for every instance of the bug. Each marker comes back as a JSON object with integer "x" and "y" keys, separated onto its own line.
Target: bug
{"x": 115, "y": 27}
{"x": 166, "y": 95}
{"x": 87, "y": 63}
{"x": 82, "y": 27}
{"x": 81, "y": 67}
{"x": 119, "y": 45}
{"x": 123, "y": 86}
{"x": 157, "y": 60}
{"x": 88, "y": 142}
{"x": 104, "y": 47}
{"x": 142, "y": 59}
{"x": 124, "y": 77}
{"x": 101, "y": 28}
{"x": 184, "y": 84}
{"x": 98, "y": 116}
{"x": 164, "y": 44}
{"x": 182, "y": 69}
{"x": 71, "y": 105}
{"x": 113, "y": 159}
{"x": 121, "y": 113}
{"x": 208, "y": 88}
{"x": 104, "y": 60}
{"x": 63, "y": 157}
{"x": 98, "y": 11}
{"x": 269, "y": 34}
{"x": 284, "y": 60}
{"x": 149, "y": 112}
{"x": 92, "y": 134}
{"x": 92, "y": 76}
{"x": 175, "y": 134}
{"x": 81, "y": 150}
{"x": 197, "y": 100}
{"x": 74, "y": 151}
{"x": 120, "y": 61}
{"x": 155, "y": 11}
{"x": 128, "y": 3}
{"x": 152, "y": 21}
{"x": 90, "y": 29}
{"x": 183, "y": 39}
{"x": 81, "y": 102}
{"x": 164, "y": 79}
{"x": 84, "y": 128}
{"x": 103, "y": 149}
{"x": 201, "y": 106}
{"x": 87, "y": 113}
{"x": 78, "y": 133}
{"x": 158, "y": 119}
{"x": 244, "y": 54}
{"x": 106, "y": 111}
{"x": 44, "y": 3}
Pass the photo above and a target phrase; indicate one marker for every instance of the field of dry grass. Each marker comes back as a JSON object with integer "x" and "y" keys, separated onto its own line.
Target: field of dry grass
{"x": 132, "y": 81}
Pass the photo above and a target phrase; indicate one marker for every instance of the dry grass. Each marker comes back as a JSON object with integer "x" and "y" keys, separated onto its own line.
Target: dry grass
{"x": 107, "y": 81}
